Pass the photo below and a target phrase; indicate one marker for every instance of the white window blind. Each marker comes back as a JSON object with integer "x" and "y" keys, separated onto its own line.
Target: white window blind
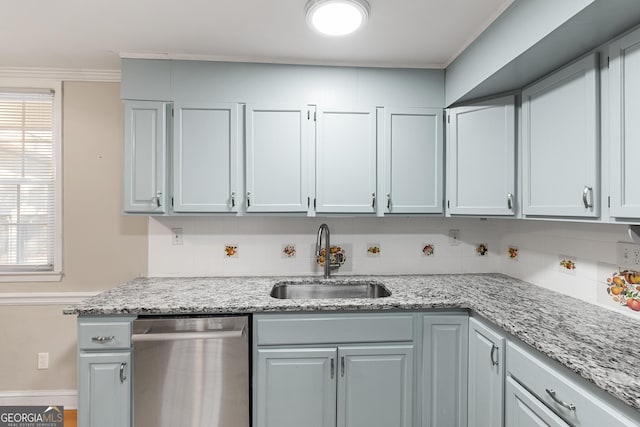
{"x": 27, "y": 181}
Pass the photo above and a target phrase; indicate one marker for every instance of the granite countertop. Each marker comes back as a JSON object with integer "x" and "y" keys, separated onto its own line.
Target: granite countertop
{"x": 600, "y": 345}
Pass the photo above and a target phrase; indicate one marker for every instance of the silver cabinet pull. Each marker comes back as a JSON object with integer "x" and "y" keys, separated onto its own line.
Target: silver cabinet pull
{"x": 233, "y": 199}
{"x": 373, "y": 200}
{"x": 588, "y": 191}
{"x": 248, "y": 199}
{"x": 494, "y": 360}
{"x": 102, "y": 340}
{"x": 333, "y": 368}
{"x": 552, "y": 393}
{"x": 157, "y": 199}
{"x": 342, "y": 366}
{"x": 510, "y": 201}
{"x": 388, "y": 201}
{"x": 123, "y": 375}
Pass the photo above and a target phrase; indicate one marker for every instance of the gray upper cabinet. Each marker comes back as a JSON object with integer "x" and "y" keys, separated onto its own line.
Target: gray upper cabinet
{"x": 486, "y": 375}
{"x": 560, "y": 142}
{"x": 413, "y": 149}
{"x": 481, "y": 142}
{"x": 205, "y": 157}
{"x": 145, "y": 142}
{"x": 277, "y": 158}
{"x": 624, "y": 106}
{"x": 346, "y": 161}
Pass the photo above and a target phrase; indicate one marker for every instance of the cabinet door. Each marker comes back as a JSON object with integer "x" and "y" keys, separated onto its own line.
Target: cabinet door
{"x": 104, "y": 389}
{"x": 444, "y": 371}
{"x": 414, "y": 160}
{"x": 624, "y": 106}
{"x": 486, "y": 376}
{"x": 481, "y": 143}
{"x": 524, "y": 410}
{"x": 375, "y": 386}
{"x": 296, "y": 387}
{"x": 205, "y": 153}
{"x": 145, "y": 141}
{"x": 346, "y": 161}
{"x": 560, "y": 117}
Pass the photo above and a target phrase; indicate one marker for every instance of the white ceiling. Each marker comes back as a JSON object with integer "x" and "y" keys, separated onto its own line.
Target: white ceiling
{"x": 94, "y": 34}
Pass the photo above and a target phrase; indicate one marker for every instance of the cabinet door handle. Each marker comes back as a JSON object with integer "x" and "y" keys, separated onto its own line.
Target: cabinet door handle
{"x": 102, "y": 340}
{"x": 233, "y": 199}
{"x": 373, "y": 200}
{"x": 248, "y": 199}
{"x": 494, "y": 360}
{"x": 123, "y": 375}
{"x": 510, "y": 201}
{"x": 157, "y": 199}
{"x": 588, "y": 191}
{"x": 342, "y": 366}
{"x": 552, "y": 393}
{"x": 388, "y": 201}
{"x": 333, "y": 368}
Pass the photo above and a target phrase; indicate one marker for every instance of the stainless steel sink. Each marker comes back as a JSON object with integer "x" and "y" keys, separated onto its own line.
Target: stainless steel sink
{"x": 316, "y": 289}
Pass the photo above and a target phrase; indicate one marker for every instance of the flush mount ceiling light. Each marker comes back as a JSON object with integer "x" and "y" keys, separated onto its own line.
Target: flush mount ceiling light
{"x": 336, "y": 17}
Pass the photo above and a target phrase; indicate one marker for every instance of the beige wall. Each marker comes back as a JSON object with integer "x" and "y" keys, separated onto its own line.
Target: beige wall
{"x": 101, "y": 247}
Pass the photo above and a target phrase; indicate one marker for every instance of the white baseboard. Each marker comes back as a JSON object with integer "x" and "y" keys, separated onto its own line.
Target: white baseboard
{"x": 66, "y": 398}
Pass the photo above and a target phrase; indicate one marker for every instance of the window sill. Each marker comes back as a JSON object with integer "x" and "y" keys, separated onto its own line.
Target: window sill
{"x": 33, "y": 276}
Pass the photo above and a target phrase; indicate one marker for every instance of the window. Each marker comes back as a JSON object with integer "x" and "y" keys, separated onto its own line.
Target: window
{"x": 29, "y": 191}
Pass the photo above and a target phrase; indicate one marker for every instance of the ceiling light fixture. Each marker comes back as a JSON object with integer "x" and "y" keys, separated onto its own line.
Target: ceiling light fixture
{"x": 336, "y": 17}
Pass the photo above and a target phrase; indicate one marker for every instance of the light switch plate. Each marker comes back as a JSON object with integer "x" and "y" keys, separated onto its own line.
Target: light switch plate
{"x": 176, "y": 236}
{"x": 628, "y": 256}
{"x": 454, "y": 237}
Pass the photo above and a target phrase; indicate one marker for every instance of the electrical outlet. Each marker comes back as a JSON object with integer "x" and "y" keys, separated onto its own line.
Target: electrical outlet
{"x": 454, "y": 237}
{"x": 628, "y": 256}
{"x": 43, "y": 360}
{"x": 176, "y": 236}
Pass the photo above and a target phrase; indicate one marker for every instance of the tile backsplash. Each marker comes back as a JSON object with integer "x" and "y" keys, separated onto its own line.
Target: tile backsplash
{"x": 572, "y": 258}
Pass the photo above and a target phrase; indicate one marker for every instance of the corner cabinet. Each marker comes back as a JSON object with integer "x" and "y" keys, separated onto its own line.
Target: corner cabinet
{"x": 444, "y": 370}
{"x": 624, "y": 106}
{"x": 333, "y": 370}
{"x": 205, "y": 157}
{"x": 346, "y": 157}
{"x": 481, "y": 141}
{"x": 278, "y": 144}
{"x": 104, "y": 372}
{"x": 413, "y": 150}
{"x": 486, "y": 375}
{"x": 144, "y": 164}
{"x": 560, "y": 143}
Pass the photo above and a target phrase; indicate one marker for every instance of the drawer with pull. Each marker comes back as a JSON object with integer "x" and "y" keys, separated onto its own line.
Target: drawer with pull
{"x": 572, "y": 401}
{"x": 104, "y": 335}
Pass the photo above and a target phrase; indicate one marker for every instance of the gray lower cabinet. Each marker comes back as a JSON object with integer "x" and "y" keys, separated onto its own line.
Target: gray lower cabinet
{"x": 296, "y": 386}
{"x": 104, "y": 371}
{"x": 344, "y": 370}
{"x": 486, "y": 375}
{"x": 524, "y": 410}
{"x": 105, "y": 400}
{"x": 444, "y": 370}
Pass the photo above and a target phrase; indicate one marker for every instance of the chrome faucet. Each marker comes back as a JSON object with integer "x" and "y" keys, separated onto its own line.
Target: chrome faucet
{"x": 324, "y": 228}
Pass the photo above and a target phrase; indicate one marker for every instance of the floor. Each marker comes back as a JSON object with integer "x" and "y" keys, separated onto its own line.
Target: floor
{"x": 71, "y": 418}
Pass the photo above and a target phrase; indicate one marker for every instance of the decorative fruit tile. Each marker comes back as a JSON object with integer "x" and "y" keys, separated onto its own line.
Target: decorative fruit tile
{"x": 567, "y": 264}
{"x": 231, "y": 250}
{"x": 340, "y": 254}
{"x": 482, "y": 249}
{"x": 373, "y": 249}
{"x": 512, "y": 253}
{"x": 288, "y": 250}
{"x": 337, "y": 256}
{"x": 624, "y": 288}
{"x": 429, "y": 249}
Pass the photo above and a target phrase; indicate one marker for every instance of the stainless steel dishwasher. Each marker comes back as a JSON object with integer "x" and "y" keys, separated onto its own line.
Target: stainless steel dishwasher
{"x": 191, "y": 371}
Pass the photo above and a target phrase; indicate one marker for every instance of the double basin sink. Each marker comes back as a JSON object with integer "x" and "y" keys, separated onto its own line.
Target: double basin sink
{"x": 328, "y": 288}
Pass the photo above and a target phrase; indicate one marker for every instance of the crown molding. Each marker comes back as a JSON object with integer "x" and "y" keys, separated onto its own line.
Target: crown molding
{"x": 86, "y": 75}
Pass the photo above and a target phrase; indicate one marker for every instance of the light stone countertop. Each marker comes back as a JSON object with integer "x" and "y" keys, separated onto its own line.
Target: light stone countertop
{"x": 598, "y": 344}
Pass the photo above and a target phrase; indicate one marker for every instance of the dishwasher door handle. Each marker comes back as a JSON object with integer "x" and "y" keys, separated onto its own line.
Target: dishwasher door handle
{"x": 174, "y": 336}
